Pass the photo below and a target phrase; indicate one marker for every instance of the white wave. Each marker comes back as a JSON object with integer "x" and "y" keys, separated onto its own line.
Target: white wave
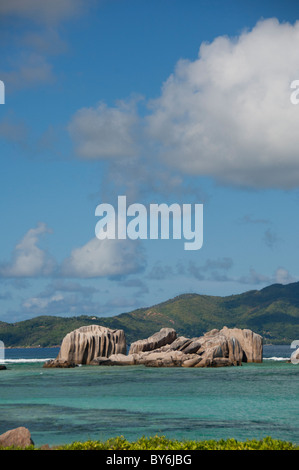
{"x": 274, "y": 358}
{"x": 23, "y": 360}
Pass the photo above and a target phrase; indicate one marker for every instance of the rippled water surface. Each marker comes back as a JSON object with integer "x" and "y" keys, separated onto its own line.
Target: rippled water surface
{"x": 90, "y": 402}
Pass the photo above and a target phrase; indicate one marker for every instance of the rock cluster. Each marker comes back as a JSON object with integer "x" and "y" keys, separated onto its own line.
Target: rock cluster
{"x": 216, "y": 348}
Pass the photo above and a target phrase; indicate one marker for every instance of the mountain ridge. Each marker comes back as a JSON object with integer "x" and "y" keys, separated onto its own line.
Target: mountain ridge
{"x": 272, "y": 312}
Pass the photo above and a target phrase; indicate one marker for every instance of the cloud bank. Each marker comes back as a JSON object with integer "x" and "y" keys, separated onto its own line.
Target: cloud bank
{"x": 226, "y": 115}
{"x": 97, "y": 258}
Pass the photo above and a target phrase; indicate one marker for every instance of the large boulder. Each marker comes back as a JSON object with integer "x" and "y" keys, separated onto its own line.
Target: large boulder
{"x": 83, "y": 345}
{"x": 215, "y": 345}
{"x": 160, "y": 358}
{"x": 251, "y": 343}
{"x": 161, "y": 338}
{"x": 18, "y": 437}
{"x": 115, "y": 360}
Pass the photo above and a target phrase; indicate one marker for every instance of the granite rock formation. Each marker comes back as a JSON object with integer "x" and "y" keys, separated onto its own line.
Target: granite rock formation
{"x": 84, "y": 344}
{"x": 157, "y": 340}
{"x": 251, "y": 343}
{"x": 97, "y": 345}
{"x": 217, "y": 348}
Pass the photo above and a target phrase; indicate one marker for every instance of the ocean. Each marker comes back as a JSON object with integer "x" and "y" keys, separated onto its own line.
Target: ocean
{"x": 61, "y": 406}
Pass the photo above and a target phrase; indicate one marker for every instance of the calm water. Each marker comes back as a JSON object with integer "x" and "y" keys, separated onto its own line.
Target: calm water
{"x": 64, "y": 405}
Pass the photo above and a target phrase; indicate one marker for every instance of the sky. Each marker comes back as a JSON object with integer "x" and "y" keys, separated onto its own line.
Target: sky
{"x": 182, "y": 102}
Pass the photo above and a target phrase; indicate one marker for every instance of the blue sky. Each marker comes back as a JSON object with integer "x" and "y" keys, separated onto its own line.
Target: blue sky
{"x": 162, "y": 101}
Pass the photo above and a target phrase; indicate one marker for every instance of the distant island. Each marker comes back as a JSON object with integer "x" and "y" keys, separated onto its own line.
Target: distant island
{"x": 272, "y": 312}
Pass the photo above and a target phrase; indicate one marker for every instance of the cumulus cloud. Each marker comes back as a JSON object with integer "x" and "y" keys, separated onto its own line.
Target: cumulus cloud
{"x": 28, "y": 259}
{"x": 225, "y": 115}
{"x": 108, "y": 257}
{"x": 228, "y": 114}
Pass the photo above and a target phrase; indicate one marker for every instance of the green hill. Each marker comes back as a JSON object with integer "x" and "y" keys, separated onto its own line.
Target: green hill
{"x": 272, "y": 312}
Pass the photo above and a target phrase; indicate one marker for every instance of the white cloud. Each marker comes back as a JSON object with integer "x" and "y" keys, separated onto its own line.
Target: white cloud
{"x": 59, "y": 304}
{"x": 99, "y": 258}
{"x": 42, "y": 302}
{"x": 228, "y": 114}
{"x": 104, "y": 132}
{"x": 283, "y": 276}
{"x": 28, "y": 260}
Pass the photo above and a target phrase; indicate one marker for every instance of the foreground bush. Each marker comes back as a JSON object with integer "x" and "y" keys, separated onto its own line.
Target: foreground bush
{"x": 162, "y": 443}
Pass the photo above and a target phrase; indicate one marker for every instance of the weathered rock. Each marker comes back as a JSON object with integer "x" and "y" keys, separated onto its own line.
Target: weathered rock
{"x": 83, "y": 345}
{"x": 59, "y": 363}
{"x": 217, "y": 345}
{"x": 215, "y": 362}
{"x": 214, "y": 349}
{"x": 161, "y": 338}
{"x": 101, "y": 346}
{"x": 2, "y": 367}
{"x": 18, "y": 437}
{"x": 178, "y": 344}
{"x": 251, "y": 343}
{"x": 160, "y": 358}
{"x": 191, "y": 362}
{"x": 115, "y": 360}
{"x": 192, "y": 346}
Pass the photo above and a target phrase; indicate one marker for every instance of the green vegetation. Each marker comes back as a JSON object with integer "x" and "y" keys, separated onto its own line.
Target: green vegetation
{"x": 273, "y": 312}
{"x": 162, "y": 443}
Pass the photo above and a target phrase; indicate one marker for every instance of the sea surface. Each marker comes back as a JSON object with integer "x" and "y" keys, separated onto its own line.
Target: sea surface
{"x": 61, "y": 406}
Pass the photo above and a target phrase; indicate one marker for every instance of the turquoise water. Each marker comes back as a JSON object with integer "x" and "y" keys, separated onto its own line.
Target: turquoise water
{"x": 90, "y": 402}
